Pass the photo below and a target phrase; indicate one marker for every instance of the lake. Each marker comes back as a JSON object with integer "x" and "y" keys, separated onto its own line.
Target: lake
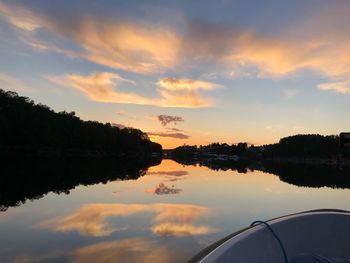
{"x": 166, "y": 213}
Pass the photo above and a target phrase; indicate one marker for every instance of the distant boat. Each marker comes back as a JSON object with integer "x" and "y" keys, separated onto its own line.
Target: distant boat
{"x": 324, "y": 233}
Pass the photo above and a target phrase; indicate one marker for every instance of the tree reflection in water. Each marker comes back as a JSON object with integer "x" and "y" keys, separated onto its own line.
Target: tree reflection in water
{"x": 29, "y": 179}
{"x": 299, "y": 174}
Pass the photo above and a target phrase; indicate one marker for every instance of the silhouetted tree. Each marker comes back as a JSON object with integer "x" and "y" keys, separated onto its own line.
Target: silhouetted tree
{"x": 305, "y": 146}
{"x": 26, "y": 127}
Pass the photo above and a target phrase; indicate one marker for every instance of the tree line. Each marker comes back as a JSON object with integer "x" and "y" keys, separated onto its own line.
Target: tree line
{"x": 26, "y": 127}
{"x": 306, "y": 146}
{"x": 302, "y": 146}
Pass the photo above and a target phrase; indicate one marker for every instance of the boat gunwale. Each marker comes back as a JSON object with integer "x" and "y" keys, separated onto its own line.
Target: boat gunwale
{"x": 204, "y": 253}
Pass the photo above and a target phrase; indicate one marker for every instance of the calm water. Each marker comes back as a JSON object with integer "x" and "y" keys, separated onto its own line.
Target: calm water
{"x": 166, "y": 215}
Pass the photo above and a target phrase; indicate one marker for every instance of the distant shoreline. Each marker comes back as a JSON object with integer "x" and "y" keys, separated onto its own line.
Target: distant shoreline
{"x": 311, "y": 161}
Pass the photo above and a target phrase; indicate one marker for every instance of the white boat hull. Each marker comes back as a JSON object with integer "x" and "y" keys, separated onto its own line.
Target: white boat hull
{"x": 321, "y": 232}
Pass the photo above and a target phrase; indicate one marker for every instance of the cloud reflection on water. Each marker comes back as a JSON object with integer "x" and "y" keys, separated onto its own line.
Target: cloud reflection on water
{"x": 171, "y": 175}
{"x": 168, "y": 219}
{"x": 162, "y": 189}
{"x": 129, "y": 250}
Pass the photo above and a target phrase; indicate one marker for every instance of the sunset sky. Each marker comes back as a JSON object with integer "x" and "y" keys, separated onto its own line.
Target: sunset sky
{"x": 185, "y": 72}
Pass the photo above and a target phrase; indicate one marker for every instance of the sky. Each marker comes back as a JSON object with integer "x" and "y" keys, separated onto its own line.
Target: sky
{"x": 185, "y": 72}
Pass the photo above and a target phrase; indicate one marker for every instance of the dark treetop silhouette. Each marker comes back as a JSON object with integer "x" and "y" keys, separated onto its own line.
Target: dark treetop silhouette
{"x": 300, "y": 147}
{"x": 29, "y": 128}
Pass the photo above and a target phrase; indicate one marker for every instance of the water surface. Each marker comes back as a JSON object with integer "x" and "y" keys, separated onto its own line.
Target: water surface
{"x": 164, "y": 214}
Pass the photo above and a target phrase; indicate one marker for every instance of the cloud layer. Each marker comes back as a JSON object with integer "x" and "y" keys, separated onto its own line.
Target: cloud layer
{"x": 145, "y": 48}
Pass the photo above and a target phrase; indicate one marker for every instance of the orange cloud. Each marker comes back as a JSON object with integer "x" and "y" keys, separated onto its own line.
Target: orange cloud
{"x": 91, "y": 219}
{"x": 20, "y": 17}
{"x": 280, "y": 57}
{"x": 129, "y": 46}
{"x": 244, "y": 50}
{"x": 175, "y": 129}
{"x": 182, "y": 92}
{"x": 185, "y": 84}
{"x": 126, "y": 250}
{"x": 170, "y": 173}
{"x": 185, "y": 213}
{"x": 169, "y": 229}
{"x": 171, "y": 176}
{"x": 129, "y": 250}
{"x": 101, "y": 86}
{"x": 177, "y": 135}
{"x": 309, "y": 44}
{"x": 178, "y": 220}
{"x": 114, "y": 43}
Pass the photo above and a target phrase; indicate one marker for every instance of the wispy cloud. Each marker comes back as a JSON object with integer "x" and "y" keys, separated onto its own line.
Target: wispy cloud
{"x": 103, "y": 87}
{"x": 177, "y": 135}
{"x": 185, "y": 91}
{"x": 100, "y": 87}
{"x": 20, "y": 16}
{"x": 174, "y": 84}
{"x": 127, "y": 250}
{"x": 171, "y": 173}
{"x": 245, "y": 50}
{"x": 174, "y": 129}
{"x": 115, "y": 43}
{"x": 337, "y": 87}
{"x": 124, "y": 250}
{"x": 171, "y": 176}
{"x": 170, "y": 229}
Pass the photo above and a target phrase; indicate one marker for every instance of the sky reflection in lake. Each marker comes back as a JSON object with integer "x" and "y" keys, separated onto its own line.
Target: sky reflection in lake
{"x": 130, "y": 221}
